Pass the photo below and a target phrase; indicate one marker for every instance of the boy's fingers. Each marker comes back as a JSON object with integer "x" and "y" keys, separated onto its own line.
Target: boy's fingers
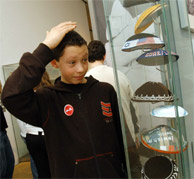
{"x": 64, "y": 27}
{"x": 66, "y": 23}
{"x": 68, "y": 29}
{"x": 69, "y": 26}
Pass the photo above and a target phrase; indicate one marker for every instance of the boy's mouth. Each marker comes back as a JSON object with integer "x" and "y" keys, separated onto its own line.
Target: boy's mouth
{"x": 79, "y": 77}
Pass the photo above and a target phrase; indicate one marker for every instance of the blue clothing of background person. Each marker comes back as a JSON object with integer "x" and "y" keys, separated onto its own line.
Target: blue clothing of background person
{"x": 6, "y": 154}
{"x": 32, "y": 164}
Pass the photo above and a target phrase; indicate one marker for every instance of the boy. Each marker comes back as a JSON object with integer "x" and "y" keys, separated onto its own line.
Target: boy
{"x": 79, "y": 115}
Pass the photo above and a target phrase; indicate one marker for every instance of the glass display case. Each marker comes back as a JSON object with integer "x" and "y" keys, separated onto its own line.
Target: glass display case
{"x": 146, "y": 41}
{"x": 7, "y": 70}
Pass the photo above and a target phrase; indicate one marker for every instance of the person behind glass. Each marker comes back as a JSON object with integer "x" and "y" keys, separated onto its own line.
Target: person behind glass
{"x": 79, "y": 115}
{"x": 35, "y": 142}
{"x": 104, "y": 73}
{"x": 7, "y": 160}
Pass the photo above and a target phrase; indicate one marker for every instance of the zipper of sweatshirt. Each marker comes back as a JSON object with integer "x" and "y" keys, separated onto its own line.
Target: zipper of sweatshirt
{"x": 90, "y": 136}
{"x": 79, "y": 95}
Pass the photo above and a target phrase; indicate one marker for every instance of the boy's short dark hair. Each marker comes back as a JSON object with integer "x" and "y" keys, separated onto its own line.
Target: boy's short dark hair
{"x": 72, "y": 38}
{"x": 96, "y": 51}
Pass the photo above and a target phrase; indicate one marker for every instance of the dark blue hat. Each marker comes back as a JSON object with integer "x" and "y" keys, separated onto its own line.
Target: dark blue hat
{"x": 156, "y": 57}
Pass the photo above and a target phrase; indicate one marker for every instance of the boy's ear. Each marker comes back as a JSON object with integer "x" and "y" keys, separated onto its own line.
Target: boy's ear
{"x": 104, "y": 57}
{"x": 54, "y": 63}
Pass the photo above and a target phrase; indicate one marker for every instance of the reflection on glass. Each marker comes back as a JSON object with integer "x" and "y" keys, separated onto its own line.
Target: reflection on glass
{"x": 168, "y": 111}
{"x": 163, "y": 139}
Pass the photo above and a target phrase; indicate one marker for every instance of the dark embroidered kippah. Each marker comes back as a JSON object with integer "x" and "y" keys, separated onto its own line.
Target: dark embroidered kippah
{"x": 152, "y": 92}
{"x": 160, "y": 167}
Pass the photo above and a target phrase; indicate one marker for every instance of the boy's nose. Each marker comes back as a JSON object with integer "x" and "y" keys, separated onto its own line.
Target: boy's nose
{"x": 80, "y": 68}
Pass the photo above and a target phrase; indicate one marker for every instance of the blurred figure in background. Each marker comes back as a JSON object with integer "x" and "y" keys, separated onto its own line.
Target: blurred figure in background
{"x": 190, "y": 6}
{"x": 34, "y": 139}
{"x": 104, "y": 73}
{"x": 7, "y": 160}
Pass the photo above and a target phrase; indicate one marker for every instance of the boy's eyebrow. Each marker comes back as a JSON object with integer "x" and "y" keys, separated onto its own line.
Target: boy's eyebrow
{"x": 75, "y": 58}
{"x": 86, "y": 55}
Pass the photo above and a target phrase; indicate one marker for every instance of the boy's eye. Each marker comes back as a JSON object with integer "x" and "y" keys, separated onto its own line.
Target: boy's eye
{"x": 85, "y": 60}
{"x": 72, "y": 62}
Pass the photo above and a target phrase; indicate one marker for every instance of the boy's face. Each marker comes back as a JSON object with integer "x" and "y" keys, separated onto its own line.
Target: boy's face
{"x": 73, "y": 64}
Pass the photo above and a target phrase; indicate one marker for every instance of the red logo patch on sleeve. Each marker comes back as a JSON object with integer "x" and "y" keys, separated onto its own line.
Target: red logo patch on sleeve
{"x": 106, "y": 109}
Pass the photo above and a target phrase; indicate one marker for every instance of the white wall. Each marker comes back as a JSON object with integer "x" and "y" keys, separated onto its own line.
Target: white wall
{"x": 23, "y": 24}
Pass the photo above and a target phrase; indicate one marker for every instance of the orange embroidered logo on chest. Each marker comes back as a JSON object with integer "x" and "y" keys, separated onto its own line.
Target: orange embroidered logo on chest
{"x": 106, "y": 111}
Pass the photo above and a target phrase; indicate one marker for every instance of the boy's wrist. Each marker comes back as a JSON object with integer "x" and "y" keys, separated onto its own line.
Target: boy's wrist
{"x": 47, "y": 44}
{"x": 44, "y": 53}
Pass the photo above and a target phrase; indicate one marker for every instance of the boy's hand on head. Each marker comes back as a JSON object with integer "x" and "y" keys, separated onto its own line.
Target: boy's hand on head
{"x": 56, "y": 34}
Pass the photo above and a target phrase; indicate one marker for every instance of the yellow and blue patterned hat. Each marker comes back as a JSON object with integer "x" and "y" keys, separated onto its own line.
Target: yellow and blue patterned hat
{"x": 147, "y": 17}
